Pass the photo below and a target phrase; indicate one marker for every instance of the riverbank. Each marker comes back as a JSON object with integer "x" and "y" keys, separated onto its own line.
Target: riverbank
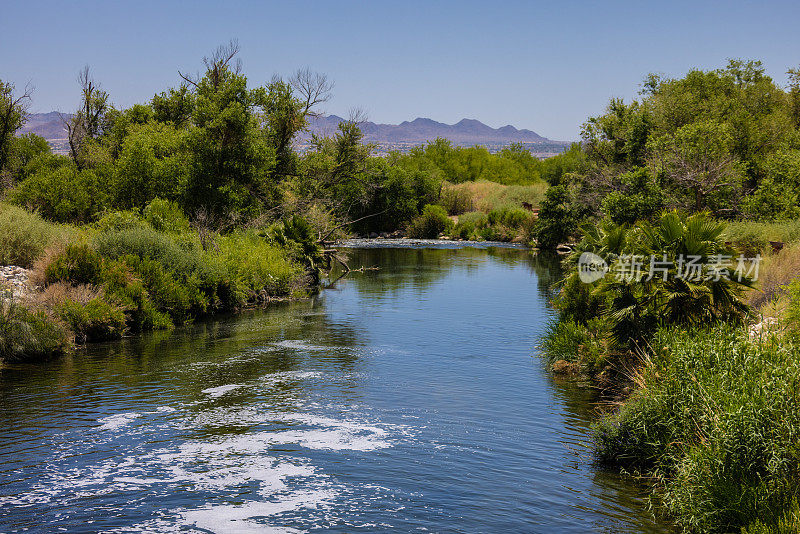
{"x": 703, "y": 400}
{"x": 131, "y": 273}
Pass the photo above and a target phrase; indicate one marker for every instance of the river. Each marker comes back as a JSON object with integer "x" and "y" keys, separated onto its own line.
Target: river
{"x": 405, "y": 399}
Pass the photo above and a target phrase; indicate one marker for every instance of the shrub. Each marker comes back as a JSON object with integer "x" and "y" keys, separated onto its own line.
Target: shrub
{"x": 77, "y": 264}
{"x": 296, "y": 235}
{"x": 511, "y": 217}
{"x": 640, "y": 198}
{"x": 574, "y": 342}
{"x": 456, "y": 201}
{"x": 558, "y": 218}
{"x": 470, "y": 225}
{"x": 140, "y": 311}
{"x": 115, "y": 221}
{"x": 255, "y": 265}
{"x": 166, "y": 216}
{"x": 430, "y": 224}
{"x": 96, "y": 320}
{"x": 635, "y": 305}
{"x": 23, "y": 236}
{"x": 63, "y": 195}
{"x": 27, "y": 335}
{"x": 175, "y": 253}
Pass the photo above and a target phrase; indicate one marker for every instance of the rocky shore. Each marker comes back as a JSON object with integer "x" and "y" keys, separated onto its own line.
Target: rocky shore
{"x": 15, "y": 281}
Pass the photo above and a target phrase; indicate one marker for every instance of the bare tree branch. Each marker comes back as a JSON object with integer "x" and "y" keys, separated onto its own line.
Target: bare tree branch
{"x": 313, "y": 88}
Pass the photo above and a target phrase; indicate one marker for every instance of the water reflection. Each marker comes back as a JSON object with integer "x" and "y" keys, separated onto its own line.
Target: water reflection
{"x": 403, "y": 399}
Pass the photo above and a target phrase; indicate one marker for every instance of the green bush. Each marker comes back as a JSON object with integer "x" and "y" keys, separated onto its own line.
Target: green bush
{"x": 77, "y": 264}
{"x": 558, "y": 218}
{"x": 716, "y": 423}
{"x": 178, "y": 254}
{"x": 166, "y": 216}
{"x": 114, "y": 221}
{"x": 574, "y": 342}
{"x": 255, "y": 265}
{"x": 141, "y": 312}
{"x": 23, "y": 236}
{"x": 456, "y": 201}
{"x": 640, "y": 198}
{"x": 634, "y": 304}
{"x": 181, "y": 297}
{"x": 97, "y": 320}
{"x": 511, "y": 217}
{"x": 63, "y": 195}
{"x": 470, "y": 225}
{"x": 430, "y": 224}
{"x": 26, "y": 335}
{"x": 298, "y": 237}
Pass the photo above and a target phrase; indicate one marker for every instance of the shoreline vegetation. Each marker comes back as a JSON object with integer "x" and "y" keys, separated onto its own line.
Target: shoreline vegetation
{"x": 699, "y": 374}
{"x": 196, "y": 203}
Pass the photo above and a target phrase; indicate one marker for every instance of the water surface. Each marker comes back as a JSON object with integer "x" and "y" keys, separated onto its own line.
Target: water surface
{"x": 405, "y": 399}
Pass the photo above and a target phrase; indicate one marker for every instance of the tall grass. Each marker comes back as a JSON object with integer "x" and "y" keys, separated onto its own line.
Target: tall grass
{"x": 716, "y": 422}
{"x": 23, "y": 236}
{"x": 27, "y": 335}
{"x": 776, "y": 272}
{"x": 756, "y": 236}
{"x": 487, "y": 196}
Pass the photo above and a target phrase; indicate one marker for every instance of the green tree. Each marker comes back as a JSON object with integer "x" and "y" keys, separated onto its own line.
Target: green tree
{"x": 558, "y": 218}
{"x": 13, "y": 114}
{"x": 175, "y": 106}
{"x": 231, "y": 156}
{"x": 639, "y": 197}
{"x": 152, "y": 163}
{"x": 698, "y": 159}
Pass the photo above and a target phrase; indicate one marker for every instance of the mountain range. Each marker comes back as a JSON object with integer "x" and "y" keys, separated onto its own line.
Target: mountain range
{"x": 466, "y": 132}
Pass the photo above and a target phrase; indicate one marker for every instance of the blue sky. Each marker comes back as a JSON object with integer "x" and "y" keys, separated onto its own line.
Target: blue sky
{"x": 539, "y": 65}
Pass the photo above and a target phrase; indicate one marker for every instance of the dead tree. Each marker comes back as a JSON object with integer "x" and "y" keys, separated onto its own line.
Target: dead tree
{"x": 89, "y": 121}
{"x": 312, "y": 89}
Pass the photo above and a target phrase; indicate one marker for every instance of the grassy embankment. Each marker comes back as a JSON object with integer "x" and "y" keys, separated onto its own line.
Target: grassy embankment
{"x": 713, "y": 411}
{"x": 130, "y": 273}
{"x": 481, "y": 211}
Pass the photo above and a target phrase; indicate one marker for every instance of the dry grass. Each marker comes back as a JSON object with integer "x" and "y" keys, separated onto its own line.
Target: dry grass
{"x": 60, "y": 292}
{"x": 37, "y": 275}
{"x": 487, "y": 196}
{"x": 775, "y": 273}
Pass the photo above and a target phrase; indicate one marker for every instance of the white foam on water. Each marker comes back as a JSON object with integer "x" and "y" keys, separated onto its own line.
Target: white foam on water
{"x": 284, "y": 376}
{"x": 230, "y": 466}
{"x": 118, "y": 421}
{"x": 302, "y": 345}
{"x": 235, "y": 519}
{"x": 221, "y": 390}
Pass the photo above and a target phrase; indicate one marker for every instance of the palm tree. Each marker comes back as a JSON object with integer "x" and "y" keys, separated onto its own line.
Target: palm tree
{"x": 685, "y": 278}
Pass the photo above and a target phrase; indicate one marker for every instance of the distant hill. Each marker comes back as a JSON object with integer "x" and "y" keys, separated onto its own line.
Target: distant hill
{"x": 466, "y": 132}
{"x": 403, "y": 136}
{"x": 48, "y": 125}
